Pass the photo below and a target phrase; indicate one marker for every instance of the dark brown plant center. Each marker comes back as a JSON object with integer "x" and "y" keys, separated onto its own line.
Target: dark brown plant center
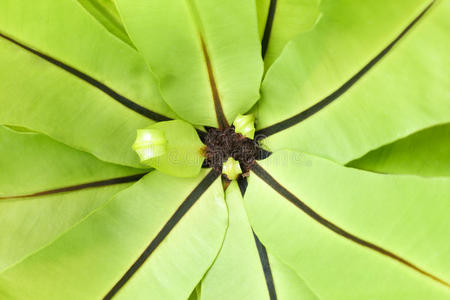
{"x": 222, "y": 144}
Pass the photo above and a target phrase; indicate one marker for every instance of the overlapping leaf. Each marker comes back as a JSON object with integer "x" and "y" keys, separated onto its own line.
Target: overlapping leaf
{"x": 368, "y": 74}
{"x": 32, "y": 163}
{"x": 353, "y": 234}
{"x": 136, "y": 246}
{"x": 69, "y": 71}
{"x": 425, "y": 153}
{"x": 281, "y": 20}
{"x": 68, "y": 77}
{"x": 106, "y": 13}
{"x": 241, "y": 271}
{"x": 205, "y": 53}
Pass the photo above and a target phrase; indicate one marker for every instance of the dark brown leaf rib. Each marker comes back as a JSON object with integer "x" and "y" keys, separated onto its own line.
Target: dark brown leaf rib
{"x": 220, "y": 115}
{"x": 94, "y": 184}
{"x": 93, "y": 82}
{"x": 201, "y": 134}
{"x": 292, "y": 121}
{"x": 242, "y": 183}
{"x": 262, "y": 252}
{"x": 268, "y": 27}
{"x": 267, "y": 178}
{"x": 198, "y": 191}
{"x": 264, "y": 259}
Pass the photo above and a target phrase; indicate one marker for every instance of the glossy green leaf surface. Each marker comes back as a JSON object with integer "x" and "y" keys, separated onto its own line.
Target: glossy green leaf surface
{"x": 42, "y": 96}
{"x": 110, "y": 240}
{"x": 404, "y": 215}
{"x": 106, "y": 13}
{"x": 288, "y": 284}
{"x": 403, "y": 91}
{"x": 425, "y": 153}
{"x": 287, "y": 19}
{"x": 237, "y": 272}
{"x": 27, "y": 164}
{"x": 351, "y": 98}
{"x": 262, "y": 11}
{"x": 206, "y": 54}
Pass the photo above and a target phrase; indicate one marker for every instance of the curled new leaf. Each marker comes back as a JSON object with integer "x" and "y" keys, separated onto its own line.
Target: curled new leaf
{"x": 172, "y": 147}
{"x": 245, "y": 125}
{"x": 150, "y": 143}
{"x": 231, "y": 168}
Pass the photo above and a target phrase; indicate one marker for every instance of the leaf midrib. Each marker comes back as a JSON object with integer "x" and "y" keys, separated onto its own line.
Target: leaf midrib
{"x": 222, "y": 121}
{"x": 91, "y": 81}
{"x": 77, "y": 187}
{"x": 312, "y": 110}
{"x": 181, "y": 211}
{"x": 285, "y": 193}
{"x": 262, "y": 252}
{"x": 268, "y": 27}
